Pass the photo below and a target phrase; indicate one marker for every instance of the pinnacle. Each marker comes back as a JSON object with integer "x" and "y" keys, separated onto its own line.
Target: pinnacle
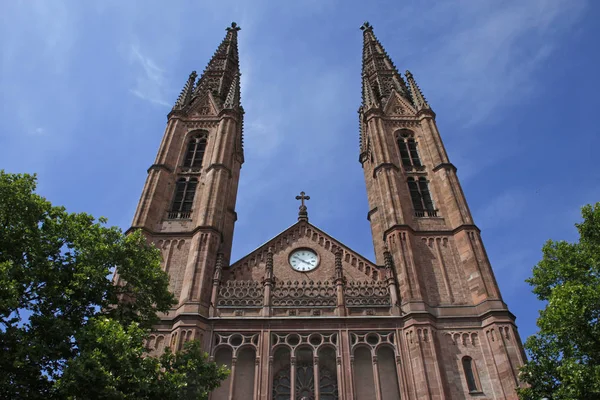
{"x": 417, "y": 96}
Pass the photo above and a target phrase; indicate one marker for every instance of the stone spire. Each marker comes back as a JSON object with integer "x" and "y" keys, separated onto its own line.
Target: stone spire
{"x": 417, "y": 96}
{"x": 221, "y": 76}
{"x": 379, "y": 74}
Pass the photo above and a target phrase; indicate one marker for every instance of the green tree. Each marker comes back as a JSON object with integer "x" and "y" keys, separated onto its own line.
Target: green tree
{"x": 564, "y": 356}
{"x": 64, "y": 333}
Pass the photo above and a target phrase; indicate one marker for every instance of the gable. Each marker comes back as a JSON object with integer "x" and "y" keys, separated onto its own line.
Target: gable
{"x": 303, "y": 235}
{"x": 398, "y": 106}
{"x": 203, "y": 106}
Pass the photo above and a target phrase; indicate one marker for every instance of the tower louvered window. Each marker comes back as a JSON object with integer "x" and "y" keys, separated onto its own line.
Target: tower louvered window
{"x": 185, "y": 189}
{"x": 421, "y": 198}
{"x": 470, "y": 374}
{"x": 408, "y": 151}
{"x": 195, "y": 151}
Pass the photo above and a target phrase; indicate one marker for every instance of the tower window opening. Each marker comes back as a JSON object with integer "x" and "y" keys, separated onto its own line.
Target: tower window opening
{"x": 183, "y": 199}
{"x": 195, "y": 151}
{"x": 408, "y": 151}
{"x": 470, "y": 374}
{"x": 421, "y": 198}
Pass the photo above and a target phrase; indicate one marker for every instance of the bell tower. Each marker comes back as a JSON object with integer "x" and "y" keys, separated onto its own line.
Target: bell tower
{"x": 418, "y": 213}
{"x": 187, "y": 206}
{"x": 417, "y": 207}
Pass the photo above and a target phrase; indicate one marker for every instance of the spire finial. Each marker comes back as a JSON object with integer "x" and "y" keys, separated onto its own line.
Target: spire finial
{"x": 303, "y": 213}
{"x": 234, "y": 27}
{"x": 366, "y": 26}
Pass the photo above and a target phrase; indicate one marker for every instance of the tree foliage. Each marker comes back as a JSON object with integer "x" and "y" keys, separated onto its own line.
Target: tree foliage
{"x": 64, "y": 333}
{"x": 565, "y": 353}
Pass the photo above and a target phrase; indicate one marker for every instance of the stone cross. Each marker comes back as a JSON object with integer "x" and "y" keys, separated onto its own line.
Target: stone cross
{"x": 234, "y": 27}
{"x": 303, "y": 213}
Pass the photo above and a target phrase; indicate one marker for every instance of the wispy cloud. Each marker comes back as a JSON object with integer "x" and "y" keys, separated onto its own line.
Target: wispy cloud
{"x": 502, "y": 209}
{"x": 486, "y": 54}
{"x": 150, "y": 79}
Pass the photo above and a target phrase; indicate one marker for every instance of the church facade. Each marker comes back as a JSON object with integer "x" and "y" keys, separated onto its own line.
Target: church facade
{"x": 303, "y": 316}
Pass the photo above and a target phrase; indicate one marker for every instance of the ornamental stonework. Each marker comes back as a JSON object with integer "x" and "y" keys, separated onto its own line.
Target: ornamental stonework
{"x": 367, "y": 294}
{"x": 241, "y": 294}
{"x": 304, "y": 294}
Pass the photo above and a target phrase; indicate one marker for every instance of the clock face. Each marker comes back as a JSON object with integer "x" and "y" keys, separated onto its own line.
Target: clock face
{"x": 304, "y": 260}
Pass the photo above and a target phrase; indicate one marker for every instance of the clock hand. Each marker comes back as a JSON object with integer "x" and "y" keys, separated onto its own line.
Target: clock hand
{"x": 298, "y": 258}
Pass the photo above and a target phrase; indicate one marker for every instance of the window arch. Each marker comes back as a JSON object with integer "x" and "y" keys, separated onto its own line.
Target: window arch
{"x": 471, "y": 377}
{"x": 185, "y": 189}
{"x": 421, "y": 197}
{"x": 195, "y": 151}
{"x": 408, "y": 150}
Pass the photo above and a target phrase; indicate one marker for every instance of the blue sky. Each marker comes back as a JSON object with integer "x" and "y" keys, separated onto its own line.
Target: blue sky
{"x": 86, "y": 86}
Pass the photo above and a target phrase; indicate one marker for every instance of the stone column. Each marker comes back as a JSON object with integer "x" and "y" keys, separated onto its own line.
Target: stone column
{"x": 232, "y": 382}
{"x": 391, "y": 283}
{"x": 376, "y": 378}
{"x": 267, "y": 284}
{"x": 340, "y": 377}
{"x": 339, "y": 283}
{"x": 316, "y": 375}
{"x": 255, "y": 396}
{"x": 292, "y": 377}
{"x": 215, "y": 287}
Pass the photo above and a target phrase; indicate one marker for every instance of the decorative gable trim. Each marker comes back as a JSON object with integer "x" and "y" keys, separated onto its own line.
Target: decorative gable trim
{"x": 203, "y": 106}
{"x": 304, "y": 229}
{"x": 398, "y": 106}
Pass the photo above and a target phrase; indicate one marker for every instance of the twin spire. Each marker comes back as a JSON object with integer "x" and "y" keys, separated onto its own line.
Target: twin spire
{"x": 380, "y": 78}
{"x": 221, "y": 78}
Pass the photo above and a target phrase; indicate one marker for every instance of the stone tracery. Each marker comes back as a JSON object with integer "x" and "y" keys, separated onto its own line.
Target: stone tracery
{"x": 304, "y": 360}
{"x": 304, "y": 294}
{"x": 241, "y": 294}
{"x": 367, "y": 294}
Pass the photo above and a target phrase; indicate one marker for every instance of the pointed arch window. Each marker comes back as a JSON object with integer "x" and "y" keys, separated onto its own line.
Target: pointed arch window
{"x": 421, "y": 197}
{"x": 408, "y": 150}
{"x": 195, "y": 151}
{"x": 185, "y": 189}
{"x": 471, "y": 377}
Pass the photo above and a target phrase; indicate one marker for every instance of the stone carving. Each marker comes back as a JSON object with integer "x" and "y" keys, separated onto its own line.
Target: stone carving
{"x": 236, "y": 341}
{"x": 304, "y": 294}
{"x": 240, "y": 294}
{"x": 398, "y": 110}
{"x": 314, "y": 340}
{"x": 304, "y": 388}
{"x": 372, "y": 339}
{"x": 367, "y": 294}
{"x": 462, "y": 338}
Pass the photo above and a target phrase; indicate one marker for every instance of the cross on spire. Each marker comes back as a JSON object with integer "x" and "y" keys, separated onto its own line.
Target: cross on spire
{"x": 233, "y": 27}
{"x": 303, "y": 213}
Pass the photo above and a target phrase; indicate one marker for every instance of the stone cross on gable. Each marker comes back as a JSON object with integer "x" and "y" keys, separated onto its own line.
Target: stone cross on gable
{"x": 303, "y": 213}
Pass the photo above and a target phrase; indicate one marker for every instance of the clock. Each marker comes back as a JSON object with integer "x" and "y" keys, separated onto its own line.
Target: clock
{"x": 304, "y": 260}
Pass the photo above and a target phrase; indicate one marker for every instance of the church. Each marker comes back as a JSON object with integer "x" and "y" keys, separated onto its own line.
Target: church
{"x": 303, "y": 316}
